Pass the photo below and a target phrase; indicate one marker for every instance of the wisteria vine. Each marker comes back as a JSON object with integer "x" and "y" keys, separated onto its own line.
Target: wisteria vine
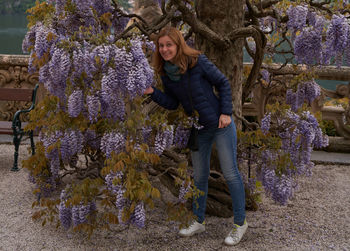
{"x": 92, "y": 79}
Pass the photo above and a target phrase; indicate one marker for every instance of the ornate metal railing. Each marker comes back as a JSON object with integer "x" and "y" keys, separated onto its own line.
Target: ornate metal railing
{"x": 14, "y": 74}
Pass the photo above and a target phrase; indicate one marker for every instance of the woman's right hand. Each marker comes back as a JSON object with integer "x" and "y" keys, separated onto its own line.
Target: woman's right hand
{"x": 149, "y": 90}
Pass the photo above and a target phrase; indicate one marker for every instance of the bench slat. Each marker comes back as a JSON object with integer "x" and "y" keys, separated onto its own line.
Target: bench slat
{"x": 6, "y": 131}
{"x": 6, "y": 127}
{"x": 16, "y": 94}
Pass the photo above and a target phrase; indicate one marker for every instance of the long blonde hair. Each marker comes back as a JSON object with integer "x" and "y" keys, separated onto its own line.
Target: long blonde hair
{"x": 185, "y": 56}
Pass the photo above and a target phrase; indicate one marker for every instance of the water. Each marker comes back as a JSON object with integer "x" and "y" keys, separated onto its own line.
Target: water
{"x": 14, "y": 27}
{"x": 12, "y": 31}
{"x": 327, "y": 84}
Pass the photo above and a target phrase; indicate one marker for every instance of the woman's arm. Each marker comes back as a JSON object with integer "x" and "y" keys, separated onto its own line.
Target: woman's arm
{"x": 165, "y": 99}
{"x": 218, "y": 79}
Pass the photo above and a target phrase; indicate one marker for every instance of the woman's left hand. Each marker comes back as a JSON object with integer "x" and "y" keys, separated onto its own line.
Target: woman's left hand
{"x": 224, "y": 120}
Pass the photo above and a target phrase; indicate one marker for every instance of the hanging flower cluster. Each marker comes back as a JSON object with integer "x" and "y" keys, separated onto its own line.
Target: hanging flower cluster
{"x": 309, "y": 45}
{"x": 306, "y": 93}
{"x": 138, "y": 217}
{"x": 299, "y": 134}
{"x": 76, "y": 214}
{"x": 92, "y": 77}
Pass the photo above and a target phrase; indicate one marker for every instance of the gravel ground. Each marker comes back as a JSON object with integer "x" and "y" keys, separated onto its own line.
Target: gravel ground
{"x": 318, "y": 218}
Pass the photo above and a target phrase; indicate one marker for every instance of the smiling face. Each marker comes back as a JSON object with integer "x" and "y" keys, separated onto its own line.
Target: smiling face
{"x": 167, "y": 48}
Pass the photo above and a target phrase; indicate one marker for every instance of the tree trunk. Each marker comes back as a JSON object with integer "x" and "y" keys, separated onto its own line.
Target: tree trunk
{"x": 218, "y": 202}
{"x": 224, "y": 16}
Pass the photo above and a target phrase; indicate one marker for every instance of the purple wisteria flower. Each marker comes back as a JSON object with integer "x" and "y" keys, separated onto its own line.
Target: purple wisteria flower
{"x": 104, "y": 54}
{"x": 268, "y": 23}
{"x": 138, "y": 217}
{"x": 65, "y": 213}
{"x": 102, "y": 6}
{"x": 297, "y": 16}
{"x": 112, "y": 106}
{"x": 92, "y": 139}
{"x": 164, "y": 139}
{"x": 118, "y": 190}
{"x": 300, "y": 139}
{"x": 306, "y": 92}
{"x": 120, "y": 201}
{"x": 311, "y": 17}
{"x": 81, "y": 212}
{"x": 112, "y": 142}
{"x": 131, "y": 73}
{"x": 181, "y": 136}
{"x": 29, "y": 38}
{"x": 59, "y": 4}
{"x": 150, "y": 45}
{"x": 336, "y": 40}
{"x": 48, "y": 140}
{"x": 283, "y": 189}
{"x": 75, "y": 103}
{"x": 54, "y": 163}
{"x": 184, "y": 189}
{"x": 265, "y": 75}
{"x": 265, "y": 123}
{"x": 42, "y": 44}
{"x": 59, "y": 67}
{"x": 110, "y": 179}
{"x": 347, "y": 51}
{"x": 71, "y": 144}
{"x": 299, "y": 133}
{"x": 308, "y": 46}
{"x": 146, "y": 132}
{"x": 119, "y": 23}
{"x": 83, "y": 63}
{"x": 280, "y": 188}
{"x": 93, "y": 105}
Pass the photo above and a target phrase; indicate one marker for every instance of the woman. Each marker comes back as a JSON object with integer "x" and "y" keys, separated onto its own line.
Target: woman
{"x": 185, "y": 71}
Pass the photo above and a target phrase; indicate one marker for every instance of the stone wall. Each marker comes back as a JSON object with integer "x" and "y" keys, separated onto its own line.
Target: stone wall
{"x": 14, "y": 74}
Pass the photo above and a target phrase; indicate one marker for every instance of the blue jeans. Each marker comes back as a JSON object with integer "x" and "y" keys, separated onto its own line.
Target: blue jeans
{"x": 226, "y": 145}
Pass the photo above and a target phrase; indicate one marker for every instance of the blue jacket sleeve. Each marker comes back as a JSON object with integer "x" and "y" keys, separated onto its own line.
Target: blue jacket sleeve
{"x": 218, "y": 79}
{"x": 165, "y": 99}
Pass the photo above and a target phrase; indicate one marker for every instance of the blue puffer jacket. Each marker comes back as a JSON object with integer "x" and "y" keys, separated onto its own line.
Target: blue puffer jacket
{"x": 203, "y": 76}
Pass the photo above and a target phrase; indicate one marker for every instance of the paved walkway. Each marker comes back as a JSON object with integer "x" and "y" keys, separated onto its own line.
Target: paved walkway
{"x": 322, "y": 157}
{"x": 303, "y": 224}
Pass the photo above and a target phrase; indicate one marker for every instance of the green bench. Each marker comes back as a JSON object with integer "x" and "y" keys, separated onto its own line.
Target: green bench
{"x": 15, "y": 127}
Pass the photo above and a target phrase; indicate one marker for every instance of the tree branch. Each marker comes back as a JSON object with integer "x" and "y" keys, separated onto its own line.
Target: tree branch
{"x": 267, "y": 4}
{"x": 189, "y": 34}
{"x": 252, "y": 13}
{"x": 249, "y": 51}
{"x": 123, "y": 14}
{"x": 144, "y": 27}
{"x": 162, "y": 6}
{"x": 198, "y": 26}
{"x": 260, "y": 43}
{"x": 163, "y": 21}
{"x": 125, "y": 34}
{"x": 320, "y": 5}
{"x": 252, "y": 125}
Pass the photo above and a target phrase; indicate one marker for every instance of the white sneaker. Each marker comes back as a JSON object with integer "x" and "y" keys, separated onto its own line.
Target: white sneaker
{"x": 236, "y": 234}
{"x": 192, "y": 229}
